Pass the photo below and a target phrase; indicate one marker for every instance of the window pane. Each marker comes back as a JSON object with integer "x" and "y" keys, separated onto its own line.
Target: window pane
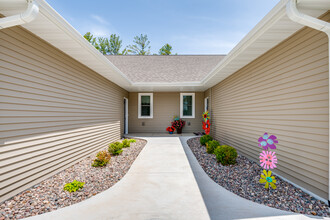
{"x": 145, "y": 110}
{"x": 187, "y": 100}
{"x": 187, "y": 105}
{"x": 187, "y": 110}
{"x": 145, "y": 100}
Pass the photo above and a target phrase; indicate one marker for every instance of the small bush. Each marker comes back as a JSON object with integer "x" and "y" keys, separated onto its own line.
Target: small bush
{"x": 225, "y": 154}
{"x": 73, "y": 186}
{"x": 115, "y": 148}
{"x": 206, "y": 138}
{"x": 211, "y": 146}
{"x": 126, "y": 143}
{"x": 102, "y": 158}
{"x": 132, "y": 140}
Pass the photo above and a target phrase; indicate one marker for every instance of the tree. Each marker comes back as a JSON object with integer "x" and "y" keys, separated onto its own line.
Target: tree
{"x": 91, "y": 39}
{"x": 141, "y": 45}
{"x": 103, "y": 45}
{"x": 165, "y": 50}
{"x": 106, "y": 46}
{"x": 115, "y": 44}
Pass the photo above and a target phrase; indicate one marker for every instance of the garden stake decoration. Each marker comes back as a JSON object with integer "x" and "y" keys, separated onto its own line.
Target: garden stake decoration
{"x": 268, "y": 179}
{"x": 267, "y": 141}
{"x": 206, "y": 122}
{"x": 268, "y": 159}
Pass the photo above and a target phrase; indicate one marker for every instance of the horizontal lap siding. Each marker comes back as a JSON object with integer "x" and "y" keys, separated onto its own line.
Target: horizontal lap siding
{"x": 285, "y": 93}
{"x": 54, "y": 110}
{"x": 166, "y": 106}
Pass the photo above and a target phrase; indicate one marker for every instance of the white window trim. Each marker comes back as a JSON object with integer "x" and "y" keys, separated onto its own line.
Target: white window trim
{"x": 126, "y": 116}
{"x": 205, "y": 103}
{"x": 181, "y": 105}
{"x": 151, "y": 105}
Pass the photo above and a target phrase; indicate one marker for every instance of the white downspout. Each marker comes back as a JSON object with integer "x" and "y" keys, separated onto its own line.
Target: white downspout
{"x": 25, "y": 17}
{"x": 296, "y": 16}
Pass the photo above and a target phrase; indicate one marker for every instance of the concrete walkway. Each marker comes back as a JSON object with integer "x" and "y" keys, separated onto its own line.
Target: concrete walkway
{"x": 159, "y": 185}
{"x": 166, "y": 182}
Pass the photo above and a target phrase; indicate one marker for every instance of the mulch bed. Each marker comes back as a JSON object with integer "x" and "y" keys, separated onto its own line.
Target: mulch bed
{"x": 243, "y": 180}
{"x": 49, "y": 195}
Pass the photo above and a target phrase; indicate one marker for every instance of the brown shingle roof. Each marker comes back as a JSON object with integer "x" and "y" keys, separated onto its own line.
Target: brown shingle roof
{"x": 174, "y": 68}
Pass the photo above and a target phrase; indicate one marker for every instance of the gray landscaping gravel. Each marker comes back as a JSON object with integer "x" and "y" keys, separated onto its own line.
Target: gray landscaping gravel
{"x": 243, "y": 180}
{"x": 49, "y": 195}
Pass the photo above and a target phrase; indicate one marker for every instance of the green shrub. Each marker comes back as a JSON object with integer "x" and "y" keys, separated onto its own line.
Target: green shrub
{"x": 132, "y": 140}
{"x": 211, "y": 146}
{"x": 115, "y": 148}
{"x": 225, "y": 154}
{"x": 126, "y": 143}
{"x": 206, "y": 138}
{"x": 73, "y": 186}
{"x": 102, "y": 158}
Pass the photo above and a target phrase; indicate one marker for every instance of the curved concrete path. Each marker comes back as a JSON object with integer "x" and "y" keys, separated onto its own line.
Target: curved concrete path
{"x": 166, "y": 182}
{"x": 159, "y": 185}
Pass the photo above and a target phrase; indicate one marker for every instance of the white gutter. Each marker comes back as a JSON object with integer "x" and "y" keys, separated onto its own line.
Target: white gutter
{"x": 60, "y": 22}
{"x": 296, "y": 16}
{"x": 268, "y": 21}
{"x": 25, "y": 17}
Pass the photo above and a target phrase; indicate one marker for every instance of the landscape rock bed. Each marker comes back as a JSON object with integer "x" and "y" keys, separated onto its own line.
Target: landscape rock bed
{"x": 49, "y": 195}
{"x": 243, "y": 180}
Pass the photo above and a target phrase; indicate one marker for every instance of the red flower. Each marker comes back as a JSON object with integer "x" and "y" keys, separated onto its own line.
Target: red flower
{"x": 170, "y": 129}
{"x": 178, "y": 124}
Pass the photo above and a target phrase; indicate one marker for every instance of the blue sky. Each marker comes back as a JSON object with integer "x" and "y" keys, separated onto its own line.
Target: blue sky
{"x": 190, "y": 26}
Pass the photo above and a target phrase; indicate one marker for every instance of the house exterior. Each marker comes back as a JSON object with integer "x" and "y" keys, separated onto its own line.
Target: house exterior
{"x": 62, "y": 100}
{"x": 165, "y": 104}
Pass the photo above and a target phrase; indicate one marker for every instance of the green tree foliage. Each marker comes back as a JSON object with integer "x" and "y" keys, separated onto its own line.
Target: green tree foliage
{"x": 106, "y": 46}
{"x": 140, "y": 46}
{"x": 115, "y": 44}
{"x": 165, "y": 50}
{"x": 91, "y": 39}
{"x": 103, "y": 45}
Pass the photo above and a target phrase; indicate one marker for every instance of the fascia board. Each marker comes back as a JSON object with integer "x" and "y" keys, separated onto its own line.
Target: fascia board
{"x": 52, "y": 16}
{"x": 265, "y": 24}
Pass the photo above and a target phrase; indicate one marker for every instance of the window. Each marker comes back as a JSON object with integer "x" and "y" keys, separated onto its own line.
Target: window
{"x": 187, "y": 105}
{"x": 206, "y": 104}
{"x": 145, "y": 105}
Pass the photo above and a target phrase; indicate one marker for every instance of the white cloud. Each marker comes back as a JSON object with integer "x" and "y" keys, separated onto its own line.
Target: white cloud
{"x": 99, "y": 19}
{"x": 100, "y": 31}
{"x": 97, "y": 25}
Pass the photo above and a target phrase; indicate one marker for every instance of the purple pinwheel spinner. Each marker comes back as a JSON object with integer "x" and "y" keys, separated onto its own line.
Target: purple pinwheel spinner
{"x": 267, "y": 141}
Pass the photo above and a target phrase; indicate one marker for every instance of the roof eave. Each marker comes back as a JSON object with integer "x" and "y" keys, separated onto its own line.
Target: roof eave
{"x": 269, "y": 32}
{"x": 53, "y": 28}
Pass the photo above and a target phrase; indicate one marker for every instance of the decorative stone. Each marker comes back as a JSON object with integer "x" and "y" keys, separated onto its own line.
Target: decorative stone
{"x": 243, "y": 180}
{"x": 49, "y": 195}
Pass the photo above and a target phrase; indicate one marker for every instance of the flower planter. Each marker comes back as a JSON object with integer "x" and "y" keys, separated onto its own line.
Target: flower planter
{"x": 179, "y": 130}
{"x": 171, "y": 132}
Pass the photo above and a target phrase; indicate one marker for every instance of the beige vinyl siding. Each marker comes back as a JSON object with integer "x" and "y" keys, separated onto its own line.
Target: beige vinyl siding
{"x": 284, "y": 92}
{"x": 166, "y": 106}
{"x": 54, "y": 110}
